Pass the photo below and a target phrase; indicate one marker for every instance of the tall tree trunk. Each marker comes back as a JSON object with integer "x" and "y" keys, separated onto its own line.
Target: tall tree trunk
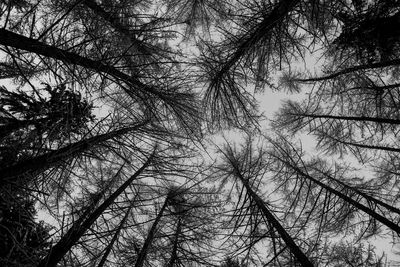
{"x": 46, "y": 160}
{"x": 273, "y": 222}
{"x": 149, "y": 239}
{"x": 281, "y": 10}
{"x": 347, "y": 118}
{"x": 115, "y": 237}
{"x": 174, "y": 255}
{"x": 346, "y": 198}
{"x": 385, "y": 148}
{"x": 364, "y": 195}
{"x": 76, "y": 231}
{"x": 300, "y": 256}
{"x": 117, "y": 25}
{"x": 371, "y": 66}
{"x": 8, "y": 38}
{"x": 113, "y": 20}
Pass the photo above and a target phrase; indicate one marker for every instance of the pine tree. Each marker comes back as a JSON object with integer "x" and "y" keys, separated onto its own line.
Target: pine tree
{"x": 247, "y": 169}
{"x": 171, "y": 74}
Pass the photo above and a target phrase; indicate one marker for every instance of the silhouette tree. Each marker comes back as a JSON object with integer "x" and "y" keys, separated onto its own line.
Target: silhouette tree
{"x": 160, "y": 91}
{"x": 226, "y": 100}
{"x": 41, "y": 162}
{"x": 150, "y": 236}
{"x": 63, "y": 113}
{"x": 89, "y": 217}
{"x": 246, "y": 168}
{"x": 192, "y": 213}
{"x": 322, "y": 188}
{"x": 173, "y": 73}
{"x": 373, "y": 22}
{"x": 24, "y": 240}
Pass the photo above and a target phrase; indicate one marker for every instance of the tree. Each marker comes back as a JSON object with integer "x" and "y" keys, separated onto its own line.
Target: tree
{"x": 356, "y": 133}
{"x": 41, "y": 162}
{"x": 84, "y": 222}
{"x": 343, "y": 253}
{"x": 30, "y": 124}
{"x": 174, "y": 75}
{"x": 161, "y": 87}
{"x": 149, "y": 239}
{"x": 371, "y": 22}
{"x": 24, "y": 241}
{"x": 189, "y": 239}
{"x": 225, "y": 99}
{"x": 348, "y": 200}
{"x": 56, "y": 117}
{"x": 247, "y": 169}
{"x": 233, "y": 263}
{"x": 177, "y": 232}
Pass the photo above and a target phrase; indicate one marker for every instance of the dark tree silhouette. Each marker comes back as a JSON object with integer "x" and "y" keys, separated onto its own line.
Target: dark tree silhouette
{"x": 177, "y": 74}
{"x": 61, "y": 114}
{"x": 89, "y": 217}
{"x": 247, "y": 169}
{"x": 24, "y": 241}
{"x": 291, "y": 166}
{"x": 41, "y": 162}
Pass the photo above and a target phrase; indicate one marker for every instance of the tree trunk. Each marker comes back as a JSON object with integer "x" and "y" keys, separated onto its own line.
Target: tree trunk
{"x": 364, "y": 195}
{"x": 385, "y": 148}
{"x": 149, "y": 239}
{"x": 346, "y": 198}
{"x": 115, "y": 237}
{"x": 300, "y": 256}
{"x": 388, "y": 63}
{"x": 8, "y": 38}
{"x": 269, "y": 22}
{"x": 347, "y": 118}
{"x": 117, "y": 25}
{"x": 273, "y": 222}
{"x": 73, "y": 235}
{"x": 114, "y": 21}
{"x": 46, "y": 160}
{"x": 176, "y": 243}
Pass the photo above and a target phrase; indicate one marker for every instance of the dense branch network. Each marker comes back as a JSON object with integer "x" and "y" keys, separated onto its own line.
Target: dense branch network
{"x": 111, "y": 114}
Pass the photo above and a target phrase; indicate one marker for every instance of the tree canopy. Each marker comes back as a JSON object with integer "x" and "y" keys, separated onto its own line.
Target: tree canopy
{"x": 135, "y": 133}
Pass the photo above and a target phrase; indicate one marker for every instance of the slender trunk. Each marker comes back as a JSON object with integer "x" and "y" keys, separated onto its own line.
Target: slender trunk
{"x": 364, "y": 195}
{"x": 376, "y": 88}
{"x": 115, "y": 23}
{"x": 385, "y": 148}
{"x": 346, "y": 198}
{"x": 8, "y": 38}
{"x": 142, "y": 48}
{"x": 93, "y": 202}
{"x": 176, "y": 242}
{"x": 263, "y": 29}
{"x": 115, "y": 237}
{"x": 296, "y": 251}
{"x": 46, "y": 160}
{"x": 347, "y": 118}
{"x": 47, "y": 30}
{"x": 301, "y": 257}
{"x": 149, "y": 239}
{"x": 66, "y": 242}
{"x": 388, "y": 63}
